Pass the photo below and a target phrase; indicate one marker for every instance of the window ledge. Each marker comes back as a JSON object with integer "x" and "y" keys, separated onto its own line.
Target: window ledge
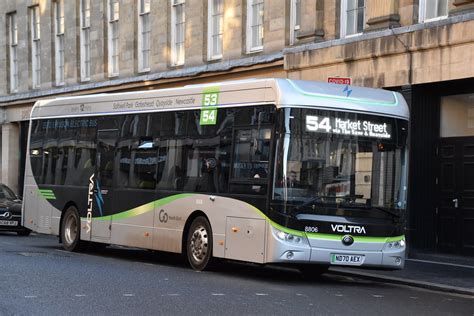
{"x": 253, "y": 50}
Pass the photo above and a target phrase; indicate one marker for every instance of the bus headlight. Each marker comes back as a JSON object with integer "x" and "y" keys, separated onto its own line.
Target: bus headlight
{"x": 398, "y": 244}
{"x": 290, "y": 238}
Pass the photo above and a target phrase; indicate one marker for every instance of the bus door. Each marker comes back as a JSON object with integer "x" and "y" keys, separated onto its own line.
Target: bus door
{"x": 103, "y": 186}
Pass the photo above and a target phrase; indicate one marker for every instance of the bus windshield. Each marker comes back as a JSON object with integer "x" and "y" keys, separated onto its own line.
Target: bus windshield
{"x": 340, "y": 164}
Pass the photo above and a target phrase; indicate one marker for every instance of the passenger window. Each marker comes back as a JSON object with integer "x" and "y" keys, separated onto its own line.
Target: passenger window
{"x": 107, "y": 138}
{"x": 106, "y": 144}
{"x": 144, "y": 164}
{"x": 251, "y": 153}
{"x": 36, "y": 151}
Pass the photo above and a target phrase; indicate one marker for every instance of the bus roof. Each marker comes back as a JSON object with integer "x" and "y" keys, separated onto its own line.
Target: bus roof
{"x": 281, "y": 92}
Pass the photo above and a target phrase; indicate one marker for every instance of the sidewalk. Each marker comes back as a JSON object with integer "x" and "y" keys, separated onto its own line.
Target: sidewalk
{"x": 441, "y": 273}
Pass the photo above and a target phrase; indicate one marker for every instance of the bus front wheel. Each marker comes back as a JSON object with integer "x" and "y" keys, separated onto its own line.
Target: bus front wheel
{"x": 199, "y": 244}
{"x": 71, "y": 230}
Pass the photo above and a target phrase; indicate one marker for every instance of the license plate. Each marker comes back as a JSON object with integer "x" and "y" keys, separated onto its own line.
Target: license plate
{"x": 355, "y": 260}
{"x": 9, "y": 223}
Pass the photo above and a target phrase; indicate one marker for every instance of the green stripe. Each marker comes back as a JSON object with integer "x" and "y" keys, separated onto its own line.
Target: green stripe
{"x": 46, "y": 191}
{"x": 161, "y": 202}
{"x": 356, "y": 238}
{"x": 326, "y": 236}
{"x": 49, "y": 197}
{"x": 143, "y": 208}
{"x": 47, "y": 194}
{"x": 344, "y": 99}
{"x": 214, "y": 89}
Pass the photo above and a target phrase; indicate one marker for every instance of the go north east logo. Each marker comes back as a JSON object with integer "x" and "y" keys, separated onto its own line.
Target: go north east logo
{"x": 90, "y": 204}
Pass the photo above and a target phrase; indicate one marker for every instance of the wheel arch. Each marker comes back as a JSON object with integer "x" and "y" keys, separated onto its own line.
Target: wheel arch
{"x": 187, "y": 226}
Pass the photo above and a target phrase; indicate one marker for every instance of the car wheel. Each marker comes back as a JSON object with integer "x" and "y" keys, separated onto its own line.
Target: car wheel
{"x": 71, "y": 230}
{"x": 199, "y": 244}
{"x": 25, "y": 232}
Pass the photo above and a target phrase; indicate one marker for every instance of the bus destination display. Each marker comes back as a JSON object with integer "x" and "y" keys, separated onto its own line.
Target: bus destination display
{"x": 338, "y": 126}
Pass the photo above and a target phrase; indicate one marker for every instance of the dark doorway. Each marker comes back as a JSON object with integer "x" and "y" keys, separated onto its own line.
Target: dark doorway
{"x": 455, "y": 220}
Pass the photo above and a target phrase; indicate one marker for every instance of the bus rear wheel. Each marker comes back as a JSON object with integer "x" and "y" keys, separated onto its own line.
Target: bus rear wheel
{"x": 199, "y": 244}
{"x": 71, "y": 230}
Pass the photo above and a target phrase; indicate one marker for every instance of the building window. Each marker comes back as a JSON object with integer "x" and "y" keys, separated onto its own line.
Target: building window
{"x": 215, "y": 28}
{"x": 85, "y": 20}
{"x": 144, "y": 35}
{"x": 58, "y": 11}
{"x": 254, "y": 25}
{"x": 178, "y": 22}
{"x": 295, "y": 19}
{"x": 352, "y": 17}
{"x": 433, "y": 10}
{"x": 35, "y": 47}
{"x": 13, "y": 45}
{"x": 113, "y": 34}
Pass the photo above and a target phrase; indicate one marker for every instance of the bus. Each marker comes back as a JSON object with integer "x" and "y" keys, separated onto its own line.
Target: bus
{"x": 268, "y": 171}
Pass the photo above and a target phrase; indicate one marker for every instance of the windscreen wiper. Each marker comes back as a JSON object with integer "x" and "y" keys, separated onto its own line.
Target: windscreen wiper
{"x": 368, "y": 207}
{"x": 310, "y": 201}
{"x": 385, "y": 210}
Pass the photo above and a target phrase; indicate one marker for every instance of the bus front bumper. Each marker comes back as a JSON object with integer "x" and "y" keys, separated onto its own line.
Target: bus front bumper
{"x": 293, "y": 249}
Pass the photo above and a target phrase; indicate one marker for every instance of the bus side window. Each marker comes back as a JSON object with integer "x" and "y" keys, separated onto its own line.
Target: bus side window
{"x": 107, "y": 139}
{"x": 144, "y": 164}
{"x": 251, "y": 153}
{"x": 84, "y": 152}
{"x": 36, "y": 151}
{"x": 209, "y": 157}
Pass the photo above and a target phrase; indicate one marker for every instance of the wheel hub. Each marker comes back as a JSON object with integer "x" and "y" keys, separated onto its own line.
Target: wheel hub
{"x": 70, "y": 230}
{"x": 199, "y": 244}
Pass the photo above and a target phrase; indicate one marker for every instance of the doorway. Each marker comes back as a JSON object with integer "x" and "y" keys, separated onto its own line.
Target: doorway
{"x": 455, "y": 211}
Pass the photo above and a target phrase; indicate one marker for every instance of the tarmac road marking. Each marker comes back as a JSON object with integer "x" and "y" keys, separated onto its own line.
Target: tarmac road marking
{"x": 261, "y": 294}
{"x": 129, "y": 295}
{"x": 217, "y": 294}
{"x": 339, "y": 295}
{"x": 80, "y": 295}
{"x": 377, "y": 296}
{"x": 31, "y": 296}
{"x": 414, "y": 297}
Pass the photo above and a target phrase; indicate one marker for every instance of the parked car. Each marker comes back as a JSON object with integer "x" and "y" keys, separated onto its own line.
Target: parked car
{"x": 10, "y": 212}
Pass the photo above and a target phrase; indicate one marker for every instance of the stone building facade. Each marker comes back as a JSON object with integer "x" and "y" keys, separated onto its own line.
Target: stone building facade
{"x": 422, "y": 48}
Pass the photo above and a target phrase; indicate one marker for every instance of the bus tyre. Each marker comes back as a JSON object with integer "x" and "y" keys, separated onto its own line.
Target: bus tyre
{"x": 313, "y": 271}
{"x": 199, "y": 244}
{"x": 71, "y": 230}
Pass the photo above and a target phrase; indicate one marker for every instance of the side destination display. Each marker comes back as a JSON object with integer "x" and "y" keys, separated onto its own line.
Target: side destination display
{"x": 210, "y": 100}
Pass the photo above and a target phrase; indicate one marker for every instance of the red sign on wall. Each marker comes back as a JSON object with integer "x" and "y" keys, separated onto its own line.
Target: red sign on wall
{"x": 340, "y": 80}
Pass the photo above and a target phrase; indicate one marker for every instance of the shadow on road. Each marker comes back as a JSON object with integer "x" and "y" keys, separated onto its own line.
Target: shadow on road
{"x": 272, "y": 274}
{"x": 266, "y": 273}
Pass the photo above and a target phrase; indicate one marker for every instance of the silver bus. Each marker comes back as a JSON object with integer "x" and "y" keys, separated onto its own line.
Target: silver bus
{"x": 270, "y": 171}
